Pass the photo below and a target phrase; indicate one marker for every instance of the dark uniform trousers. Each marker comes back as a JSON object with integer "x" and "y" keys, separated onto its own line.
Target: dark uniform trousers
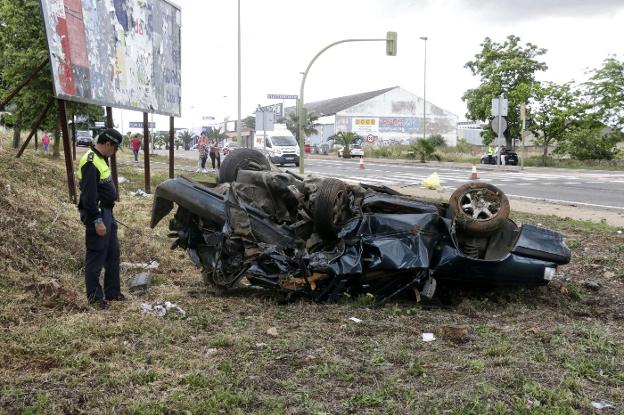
{"x": 102, "y": 251}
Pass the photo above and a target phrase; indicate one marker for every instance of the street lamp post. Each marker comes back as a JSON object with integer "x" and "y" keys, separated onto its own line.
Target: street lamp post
{"x": 238, "y": 122}
{"x": 390, "y": 50}
{"x": 425, "y": 90}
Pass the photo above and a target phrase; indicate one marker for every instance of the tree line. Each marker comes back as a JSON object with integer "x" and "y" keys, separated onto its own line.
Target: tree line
{"x": 583, "y": 120}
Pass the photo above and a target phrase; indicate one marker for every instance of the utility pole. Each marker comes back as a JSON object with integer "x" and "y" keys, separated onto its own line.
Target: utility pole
{"x": 425, "y": 90}
{"x": 523, "y": 120}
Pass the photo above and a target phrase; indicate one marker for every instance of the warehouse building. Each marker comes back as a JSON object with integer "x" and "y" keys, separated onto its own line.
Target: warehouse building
{"x": 385, "y": 117}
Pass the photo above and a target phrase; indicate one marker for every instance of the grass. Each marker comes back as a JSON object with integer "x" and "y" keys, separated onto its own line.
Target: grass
{"x": 550, "y": 350}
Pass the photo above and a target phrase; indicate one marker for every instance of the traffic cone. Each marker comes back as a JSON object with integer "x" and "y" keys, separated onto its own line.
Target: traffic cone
{"x": 473, "y": 173}
{"x": 361, "y": 163}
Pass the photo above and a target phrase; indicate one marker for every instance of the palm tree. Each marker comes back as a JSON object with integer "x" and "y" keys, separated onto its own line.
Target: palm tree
{"x": 186, "y": 138}
{"x": 216, "y": 134}
{"x": 346, "y": 138}
{"x": 425, "y": 149}
{"x": 309, "y": 125}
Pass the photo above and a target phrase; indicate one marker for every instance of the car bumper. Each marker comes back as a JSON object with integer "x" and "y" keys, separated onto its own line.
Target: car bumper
{"x": 285, "y": 159}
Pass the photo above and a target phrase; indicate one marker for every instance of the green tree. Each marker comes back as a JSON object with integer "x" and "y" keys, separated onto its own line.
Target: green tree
{"x": 605, "y": 91}
{"x": 250, "y": 122}
{"x": 590, "y": 141}
{"x": 554, "y": 113}
{"x": 22, "y": 48}
{"x": 508, "y": 69}
{"x": 309, "y": 125}
{"x": 425, "y": 149}
{"x": 346, "y": 139}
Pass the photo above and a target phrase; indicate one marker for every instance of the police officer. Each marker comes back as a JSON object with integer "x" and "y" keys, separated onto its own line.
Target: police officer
{"x": 97, "y": 199}
{"x": 490, "y": 154}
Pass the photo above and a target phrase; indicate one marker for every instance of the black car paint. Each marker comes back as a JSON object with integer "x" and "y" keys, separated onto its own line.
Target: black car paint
{"x": 395, "y": 243}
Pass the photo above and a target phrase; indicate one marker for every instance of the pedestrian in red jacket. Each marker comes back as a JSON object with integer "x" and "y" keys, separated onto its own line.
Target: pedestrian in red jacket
{"x": 136, "y": 146}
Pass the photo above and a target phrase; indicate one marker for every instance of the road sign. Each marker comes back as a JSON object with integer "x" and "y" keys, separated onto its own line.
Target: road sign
{"x": 278, "y": 109}
{"x": 281, "y": 96}
{"x": 139, "y": 124}
{"x": 99, "y": 124}
{"x": 494, "y": 124}
{"x": 370, "y": 138}
{"x": 265, "y": 121}
{"x": 504, "y": 104}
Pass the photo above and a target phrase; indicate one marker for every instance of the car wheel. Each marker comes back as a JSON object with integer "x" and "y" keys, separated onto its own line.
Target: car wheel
{"x": 297, "y": 164}
{"x": 479, "y": 208}
{"x": 331, "y": 208}
{"x": 242, "y": 159}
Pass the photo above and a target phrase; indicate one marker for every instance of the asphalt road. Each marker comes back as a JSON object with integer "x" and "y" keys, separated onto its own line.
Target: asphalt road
{"x": 588, "y": 188}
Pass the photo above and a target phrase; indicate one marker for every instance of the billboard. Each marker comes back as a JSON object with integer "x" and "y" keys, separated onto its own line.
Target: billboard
{"x": 364, "y": 126}
{"x": 116, "y": 53}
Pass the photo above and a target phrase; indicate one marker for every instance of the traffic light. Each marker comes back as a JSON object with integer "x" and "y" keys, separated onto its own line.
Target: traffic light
{"x": 391, "y": 43}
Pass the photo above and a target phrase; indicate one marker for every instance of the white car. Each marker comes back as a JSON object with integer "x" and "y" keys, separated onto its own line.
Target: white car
{"x": 355, "y": 150}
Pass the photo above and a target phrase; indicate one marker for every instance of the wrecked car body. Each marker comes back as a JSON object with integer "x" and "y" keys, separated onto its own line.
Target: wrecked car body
{"x": 327, "y": 239}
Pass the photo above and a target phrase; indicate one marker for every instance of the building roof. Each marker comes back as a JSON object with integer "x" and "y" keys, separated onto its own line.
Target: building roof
{"x": 334, "y": 105}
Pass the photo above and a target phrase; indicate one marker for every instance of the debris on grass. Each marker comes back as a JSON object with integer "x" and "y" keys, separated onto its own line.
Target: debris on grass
{"x": 141, "y": 283}
{"x": 140, "y": 265}
{"x": 428, "y": 337}
{"x": 272, "y": 331}
{"x": 162, "y": 309}
{"x": 602, "y": 405}
{"x": 140, "y": 193}
{"x": 355, "y": 319}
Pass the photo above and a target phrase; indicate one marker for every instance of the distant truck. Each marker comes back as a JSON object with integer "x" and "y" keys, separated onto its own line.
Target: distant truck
{"x": 279, "y": 145}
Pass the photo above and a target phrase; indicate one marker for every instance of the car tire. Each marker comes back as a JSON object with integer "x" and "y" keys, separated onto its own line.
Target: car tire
{"x": 242, "y": 159}
{"x": 331, "y": 208}
{"x": 479, "y": 208}
{"x": 297, "y": 164}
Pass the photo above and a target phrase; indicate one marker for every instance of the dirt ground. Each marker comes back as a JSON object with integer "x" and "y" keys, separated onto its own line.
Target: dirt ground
{"x": 557, "y": 349}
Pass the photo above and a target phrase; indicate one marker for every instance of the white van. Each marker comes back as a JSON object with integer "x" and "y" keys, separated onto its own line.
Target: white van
{"x": 279, "y": 145}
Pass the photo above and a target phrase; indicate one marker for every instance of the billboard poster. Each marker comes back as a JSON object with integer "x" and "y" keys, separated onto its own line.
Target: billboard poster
{"x": 364, "y": 126}
{"x": 116, "y": 53}
{"x": 410, "y": 125}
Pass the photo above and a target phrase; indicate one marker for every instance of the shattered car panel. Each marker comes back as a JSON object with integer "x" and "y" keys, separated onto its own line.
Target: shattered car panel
{"x": 326, "y": 239}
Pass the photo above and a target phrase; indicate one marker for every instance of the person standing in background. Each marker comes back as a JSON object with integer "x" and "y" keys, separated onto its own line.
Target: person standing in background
{"x": 214, "y": 154}
{"x": 136, "y": 146}
{"x": 45, "y": 140}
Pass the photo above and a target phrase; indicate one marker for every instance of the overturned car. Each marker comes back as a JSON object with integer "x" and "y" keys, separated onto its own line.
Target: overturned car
{"x": 327, "y": 239}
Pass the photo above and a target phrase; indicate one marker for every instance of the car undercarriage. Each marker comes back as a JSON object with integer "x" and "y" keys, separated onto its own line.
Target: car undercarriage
{"x": 326, "y": 239}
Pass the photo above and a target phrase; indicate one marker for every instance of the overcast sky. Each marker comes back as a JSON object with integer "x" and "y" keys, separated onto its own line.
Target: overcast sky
{"x": 280, "y": 37}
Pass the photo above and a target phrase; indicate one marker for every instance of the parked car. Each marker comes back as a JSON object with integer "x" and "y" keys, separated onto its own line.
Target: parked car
{"x": 229, "y": 147}
{"x": 511, "y": 158}
{"x": 84, "y": 138}
{"x": 326, "y": 239}
{"x": 355, "y": 150}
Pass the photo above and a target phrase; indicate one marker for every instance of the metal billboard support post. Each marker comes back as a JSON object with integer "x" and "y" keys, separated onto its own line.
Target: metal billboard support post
{"x": 171, "y": 133}
{"x": 113, "y": 159}
{"x": 22, "y": 84}
{"x": 74, "y": 136}
{"x": 38, "y": 122}
{"x": 69, "y": 166}
{"x": 146, "y": 153}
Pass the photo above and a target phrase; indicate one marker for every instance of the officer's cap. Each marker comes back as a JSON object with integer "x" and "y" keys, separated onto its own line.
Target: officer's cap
{"x": 113, "y": 136}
